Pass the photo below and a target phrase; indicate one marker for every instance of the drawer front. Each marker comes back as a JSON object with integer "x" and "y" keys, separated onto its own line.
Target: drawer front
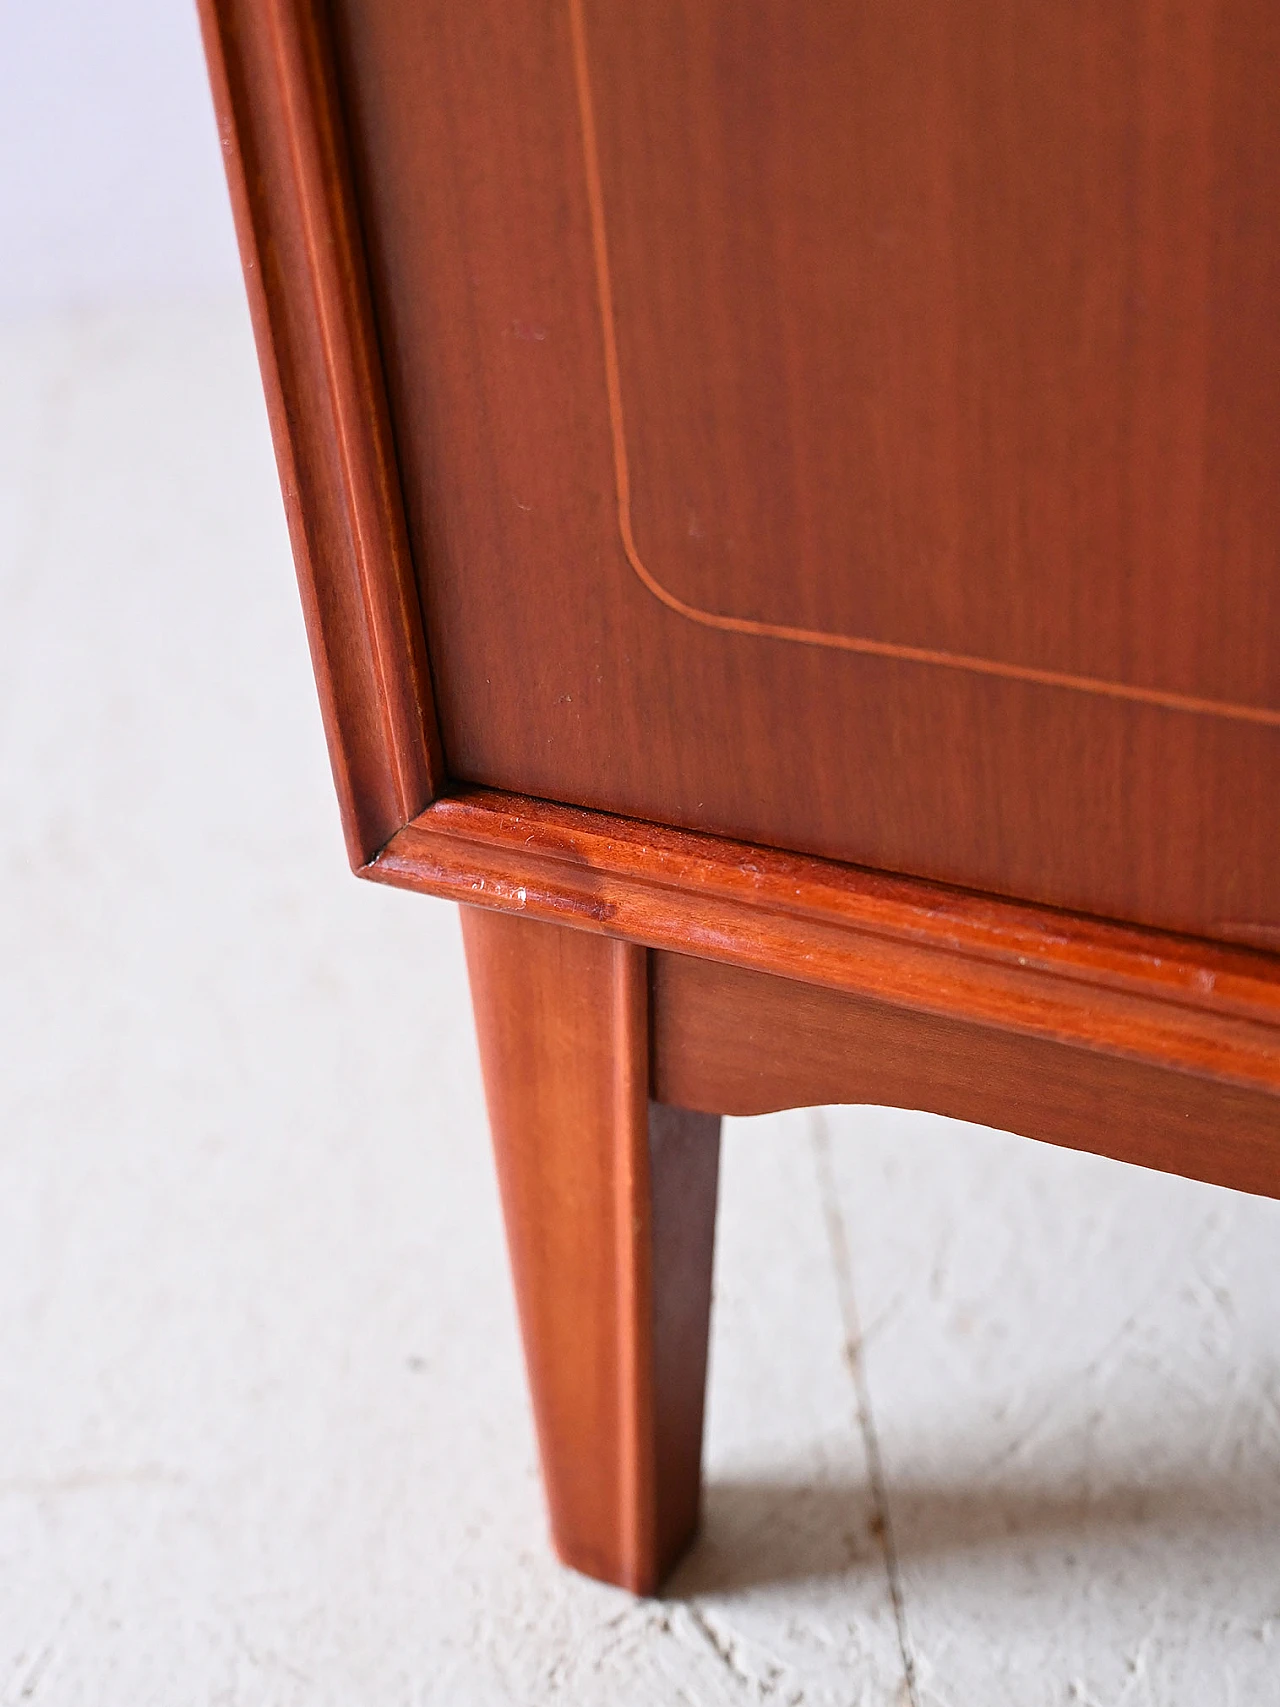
{"x": 849, "y": 427}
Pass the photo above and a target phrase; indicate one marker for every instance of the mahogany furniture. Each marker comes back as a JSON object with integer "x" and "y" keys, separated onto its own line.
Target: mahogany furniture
{"x": 787, "y": 506}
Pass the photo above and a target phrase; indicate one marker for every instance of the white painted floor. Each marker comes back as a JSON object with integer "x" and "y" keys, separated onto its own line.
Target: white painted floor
{"x": 263, "y": 1430}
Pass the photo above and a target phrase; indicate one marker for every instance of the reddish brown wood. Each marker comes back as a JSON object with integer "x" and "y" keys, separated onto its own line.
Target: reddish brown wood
{"x": 911, "y": 494}
{"x": 610, "y": 1212}
{"x": 744, "y": 1042}
{"x": 1163, "y": 1000}
{"x": 283, "y": 143}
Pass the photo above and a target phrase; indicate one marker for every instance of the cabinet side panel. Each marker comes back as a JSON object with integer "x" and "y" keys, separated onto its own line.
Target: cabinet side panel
{"x": 284, "y": 147}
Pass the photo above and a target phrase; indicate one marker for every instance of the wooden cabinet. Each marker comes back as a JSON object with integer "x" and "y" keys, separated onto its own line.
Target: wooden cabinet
{"x": 787, "y": 504}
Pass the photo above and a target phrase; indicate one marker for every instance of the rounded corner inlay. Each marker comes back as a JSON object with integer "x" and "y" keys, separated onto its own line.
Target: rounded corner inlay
{"x": 726, "y": 622}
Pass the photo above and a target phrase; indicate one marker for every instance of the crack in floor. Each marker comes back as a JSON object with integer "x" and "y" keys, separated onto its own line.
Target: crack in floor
{"x": 725, "y": 1644}
{"x": 842, "y": 1263}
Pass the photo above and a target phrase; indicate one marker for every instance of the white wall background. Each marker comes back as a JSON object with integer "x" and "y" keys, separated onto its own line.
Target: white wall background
{"x": 111, "y": 185}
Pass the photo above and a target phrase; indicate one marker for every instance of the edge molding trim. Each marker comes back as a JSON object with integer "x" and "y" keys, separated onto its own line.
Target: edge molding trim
{"x": 1209, "y": 1010}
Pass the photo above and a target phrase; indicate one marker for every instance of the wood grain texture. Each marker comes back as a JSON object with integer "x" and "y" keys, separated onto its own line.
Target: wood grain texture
{"x": 610, "y": 1211}
{"x": 909, "y": 235}
{"x": 1198, "y": 1007}
{"x": 744, "y": 1042}
{"x": 299, "y": 232}
{"x": 943, "y": 329}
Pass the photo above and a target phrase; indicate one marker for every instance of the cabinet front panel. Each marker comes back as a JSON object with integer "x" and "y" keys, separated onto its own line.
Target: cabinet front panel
{"x": 854, "y": 427}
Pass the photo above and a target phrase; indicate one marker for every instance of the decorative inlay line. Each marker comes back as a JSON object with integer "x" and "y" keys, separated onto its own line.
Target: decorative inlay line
{"x": 778, "y": 631}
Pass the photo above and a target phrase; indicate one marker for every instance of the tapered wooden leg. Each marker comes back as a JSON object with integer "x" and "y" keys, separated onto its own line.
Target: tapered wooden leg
{"x": 610, "y": 1210}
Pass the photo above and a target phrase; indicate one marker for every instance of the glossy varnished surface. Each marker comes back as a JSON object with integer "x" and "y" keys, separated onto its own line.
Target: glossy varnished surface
{"x": 609, "y": 1202}
{"x": 847, "y": 428}
{"x": 285, "y": 152}
{"x": 937, "y": 329}
{"x": 1165, "y": 1001}
{"x": 746, "y": 1042}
